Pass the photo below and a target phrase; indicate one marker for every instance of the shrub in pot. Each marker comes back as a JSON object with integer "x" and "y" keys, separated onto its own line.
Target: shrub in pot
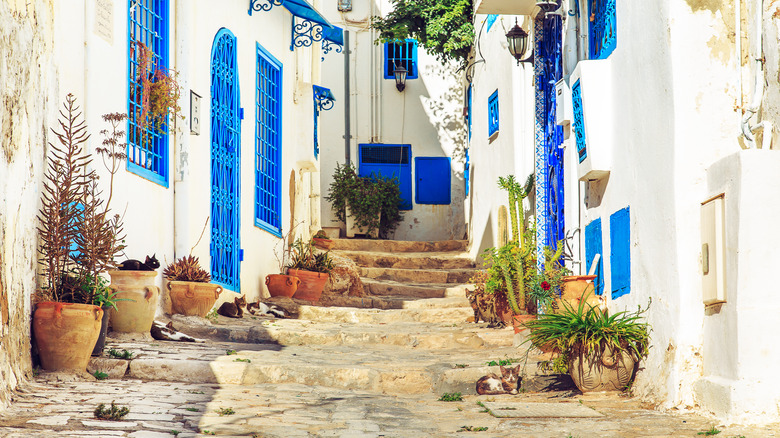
{"x": 601, "y": 350}
{"x": 321, "y": 241}
{"x": 311, "y": 267}
{"x": 78, "y": 241}
{"x": 189, "y": 287}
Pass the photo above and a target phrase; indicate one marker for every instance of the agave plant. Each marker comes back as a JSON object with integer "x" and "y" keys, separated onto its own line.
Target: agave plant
{"x": 186, "y": 269}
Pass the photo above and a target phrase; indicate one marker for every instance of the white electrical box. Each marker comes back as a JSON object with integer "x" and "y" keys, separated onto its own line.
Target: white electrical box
{"x": 713, "y": 251}
{"x": 562, "y": 103}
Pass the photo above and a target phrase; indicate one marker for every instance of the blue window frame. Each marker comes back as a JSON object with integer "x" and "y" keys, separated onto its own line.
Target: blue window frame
{"x": 148, "y": 38}
{"x": 493, "y": 114}
{"x": 388, "y": 161}
{"x": 579, "y": 121}
{"x": 225, "y": 248}
{"x": 433, "y": 180}
{"x": 603, "y": 28}
{"x": 594, "y": 246}
{"x": 402, "y": 54}
{"x": 620, "y": 252}
{"x": 491, "y": 19}
{"x": 268, "y": 142}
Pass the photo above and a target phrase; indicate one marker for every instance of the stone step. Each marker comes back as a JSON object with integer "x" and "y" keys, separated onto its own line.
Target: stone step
{"x": 375, "y": 316}
{"x": 457, "y": 276}
{"x": 399, "y": 245}
{"x": 429, "y": 290}
{"x": 388, "y": 302}
{"x": 412, "y": 260}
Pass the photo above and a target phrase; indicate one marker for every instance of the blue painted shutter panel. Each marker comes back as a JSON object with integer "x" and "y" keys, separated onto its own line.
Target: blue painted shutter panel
{"x": 620, "y": 252}
{"x": 225, "y": 175}
{"x": 268, "y": 142}
{"x": 493, "y": 113}
{"x": 388, "y": 161}
{"x": 433, "y": 179}
{"x": 593, "y": 246}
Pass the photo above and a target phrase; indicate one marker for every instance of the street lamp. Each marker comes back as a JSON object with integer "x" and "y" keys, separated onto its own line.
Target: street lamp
{"x": 518, "y": 43}
{"x": 400, "y": 77}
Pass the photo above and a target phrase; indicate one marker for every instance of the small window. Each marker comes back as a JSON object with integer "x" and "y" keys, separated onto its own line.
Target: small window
{"x": 148, "y": 40}
{"x": 401, "y": 54}
{"x": 602, "y": 28}
{"x": 579, "y": 121}
{"x": 268, "y": 142}
{"x": 493, "y": 114}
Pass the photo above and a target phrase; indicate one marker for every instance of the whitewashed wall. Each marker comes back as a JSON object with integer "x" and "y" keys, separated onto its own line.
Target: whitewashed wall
{"x": 427, "y": 115}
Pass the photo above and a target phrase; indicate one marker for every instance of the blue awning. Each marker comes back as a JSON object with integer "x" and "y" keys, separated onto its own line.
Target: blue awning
{"x": 334, "y": 35}
{"x": 302, "y": 9}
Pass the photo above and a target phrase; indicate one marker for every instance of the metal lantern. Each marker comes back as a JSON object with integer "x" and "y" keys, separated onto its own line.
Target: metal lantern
{"x": 400, "y": 77}
{"x": 518, "y": 42}
{"x": 548, "y": 5}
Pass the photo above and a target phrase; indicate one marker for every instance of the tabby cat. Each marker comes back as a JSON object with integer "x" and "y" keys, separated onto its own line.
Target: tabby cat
{"x": 508, "y": 383}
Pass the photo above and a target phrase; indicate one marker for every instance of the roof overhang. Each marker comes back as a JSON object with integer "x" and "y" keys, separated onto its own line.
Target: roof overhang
{"x": 505, "y": 7}
{"x": 302, "y": 9}
{"x": 334, "y": 35}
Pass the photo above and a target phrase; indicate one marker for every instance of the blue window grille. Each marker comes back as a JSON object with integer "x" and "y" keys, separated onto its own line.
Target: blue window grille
{"x": 388, "y": 161}
{"x": 268, "y": 142}
{"x": 493, "y": 113}
{"x": 620, "y": 252}
{"x": 225, "y": 170}
{"x": 491, "y": 19}
{"x": 401, "y": 54}
{"x": 433, "y": 180}
{"x": 148, "y": 38}
{"x": 602, "y": 28}
{"x": 594, "y": 246}
{"x": 579, "y": 121}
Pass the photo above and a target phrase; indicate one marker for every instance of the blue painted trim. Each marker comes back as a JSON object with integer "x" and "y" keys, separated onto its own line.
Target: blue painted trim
{"x": 602, "y": 31}
{"x": 268, "y": 201}
{"x": 593, "y": 246}
{"x": 579, "y": 121}
{"x": 493, "y": 117}
{"x": 620, "y": 252}
{"x": 407, "y": 58}
{"x": 491, "y": 19}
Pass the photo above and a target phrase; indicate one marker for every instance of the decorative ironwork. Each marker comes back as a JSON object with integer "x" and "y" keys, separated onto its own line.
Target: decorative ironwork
{"x": 329, "y": 46}
{"x": 225, "y": 168}
{"x": 305, "y": 33}
{"x": 323, "y": 98}
{"x": 549, "y": 136}
{"x": 579, "y": 121}
{"x": 263, "y": 5}
{"x": 603, "y": 28}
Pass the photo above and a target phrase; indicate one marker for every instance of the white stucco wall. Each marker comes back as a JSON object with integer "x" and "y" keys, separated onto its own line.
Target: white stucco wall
{"x": 427, "y": 115}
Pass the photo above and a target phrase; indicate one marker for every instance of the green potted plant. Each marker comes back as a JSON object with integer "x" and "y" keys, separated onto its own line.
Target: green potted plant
{"x": 189, "y": 287}
{"x": 369, "y": 204}
{"x": 601, "y": 350}
{"x": 312, "y": 268}
{"x": 321, "y": 241}
{"x": 78, "y": 242}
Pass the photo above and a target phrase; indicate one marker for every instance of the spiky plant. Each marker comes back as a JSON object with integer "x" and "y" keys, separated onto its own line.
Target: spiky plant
{"x": 186, "y": 269}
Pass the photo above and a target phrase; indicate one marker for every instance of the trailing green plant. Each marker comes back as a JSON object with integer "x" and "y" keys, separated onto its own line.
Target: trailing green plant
{"x": 123, "y": 355}
{"x": 374, "y": 202}
{"x": 303, "y": 257}
{"x": 186, "y": 268}
{"x": 500, "y": 362}
{"x": 710, "y": 432}
{"x": 225, "y": 411}
{"x": 588, "y": 329}
{"x": 100, "y": 375}
{"x": 451, "y": 397}
{"x": 114, "y": 412}
{"x": 472, "y": 429}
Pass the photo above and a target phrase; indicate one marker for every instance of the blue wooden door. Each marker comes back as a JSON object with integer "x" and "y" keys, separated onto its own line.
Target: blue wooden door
{"x": 225, "y": 175}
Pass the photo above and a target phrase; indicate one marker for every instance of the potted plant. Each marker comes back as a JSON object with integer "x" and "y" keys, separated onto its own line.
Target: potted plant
{"x": 311, "y": 268}
{"x": 78, "y": 243}
{"x": 189, "y": 287}
{"x": 371, "y": 203}
{"x": 601, "y": 350}
{"x": 158, "y": 92}
{"x": 321, "y": 241}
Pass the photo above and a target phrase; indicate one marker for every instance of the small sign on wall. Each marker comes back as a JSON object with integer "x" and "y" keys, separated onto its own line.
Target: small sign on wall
{"x": 104, "y": 20}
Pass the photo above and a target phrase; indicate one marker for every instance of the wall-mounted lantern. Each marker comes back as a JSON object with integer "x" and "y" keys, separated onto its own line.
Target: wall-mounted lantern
{"x": 400, "y": 77}
{"x": 518, "y": 43}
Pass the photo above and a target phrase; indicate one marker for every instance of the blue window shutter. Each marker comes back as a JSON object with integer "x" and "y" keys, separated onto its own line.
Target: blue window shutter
{"x": 388, "y": 161}
{"x": 147, "y": 147}
{"x": 603, "y": 28}
{"x": 268, "y": 142}
{"x": 579, "y": 121}
{"x": 593, "y": 246}
{"x": 433, "y": 179}
{"x": 493, "y": 113}
{"x": 620, "y": 252}
{"x": 403, "y": 54}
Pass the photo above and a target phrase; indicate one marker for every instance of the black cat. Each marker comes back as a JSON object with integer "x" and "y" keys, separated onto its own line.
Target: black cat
{"x": 150, "y": 264}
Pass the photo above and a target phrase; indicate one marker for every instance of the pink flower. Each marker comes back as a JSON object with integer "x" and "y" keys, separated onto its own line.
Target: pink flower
{"x": 545, "y": 285}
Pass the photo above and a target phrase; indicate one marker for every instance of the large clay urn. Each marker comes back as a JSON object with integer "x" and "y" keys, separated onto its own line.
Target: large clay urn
{"x": 65, "y": 334}
{"x": 192, "y": 298}
{"x": 139, "y": 296}
{"x": 312, "y": 284}
{"x": 280, "y": 285}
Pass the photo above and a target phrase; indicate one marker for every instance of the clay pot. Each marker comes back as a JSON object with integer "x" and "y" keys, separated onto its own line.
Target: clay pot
{"x": 601, "y": 372}
{"x": 65, "y": 334}
{"x": 325, "y": 244}
{"x": 139, "y": 295}
{"x": 312, "y": 284}
{"x": 519, "y": 320}
{"x": 572, "y": 289}
{"x": 191, "y": 298}
{"x": 101, "y": 341}
{"x": 280, "y": 285}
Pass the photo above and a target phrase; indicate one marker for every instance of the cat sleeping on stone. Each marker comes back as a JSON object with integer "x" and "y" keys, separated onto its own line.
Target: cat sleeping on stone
{"x": 508, "y": 383}
{"x": 239, "y": 306}
{"x": 166, "y": 332}
{"x": 150, "y": 264}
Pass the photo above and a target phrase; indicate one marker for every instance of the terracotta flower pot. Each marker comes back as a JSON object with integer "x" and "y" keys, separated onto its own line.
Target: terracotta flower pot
{"x": 312, "y": 284}
{"x": 519, "y": 320}
{"x": 65, "y": 334}
{"x": 600, "y": 372}
{"x": 191, "y": 298}
{"x": 572, "y": 289}
{"x": 280, "y": 285}
{"x": 135, "y": 313}
{"x": 325, "y": 244}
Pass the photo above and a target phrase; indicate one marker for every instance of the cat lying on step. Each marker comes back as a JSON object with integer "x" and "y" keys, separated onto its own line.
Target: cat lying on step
{"x": 238, "y": 307}
{"x": 163, "y": 332}
{"x": 508, "y": 383}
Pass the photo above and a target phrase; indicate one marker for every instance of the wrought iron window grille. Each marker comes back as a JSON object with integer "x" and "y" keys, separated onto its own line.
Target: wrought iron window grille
{"x": 603, "y": 28}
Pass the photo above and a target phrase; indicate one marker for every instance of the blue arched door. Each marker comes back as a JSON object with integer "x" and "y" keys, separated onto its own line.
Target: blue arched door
{"x": 225, "y": 176}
